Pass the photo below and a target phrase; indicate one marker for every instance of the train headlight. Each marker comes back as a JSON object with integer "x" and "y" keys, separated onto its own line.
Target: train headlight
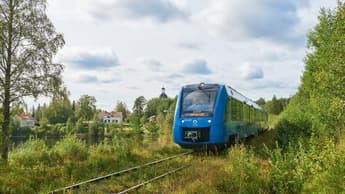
{"x": 209, "y": 121}
{"x": 182, "y": 121}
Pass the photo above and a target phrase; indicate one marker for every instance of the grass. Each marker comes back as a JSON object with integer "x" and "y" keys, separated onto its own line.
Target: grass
{"x": 273, "y": 120}
{"x": 35, "y": 168}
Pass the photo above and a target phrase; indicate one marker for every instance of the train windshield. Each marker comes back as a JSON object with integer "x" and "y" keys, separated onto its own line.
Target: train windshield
{"x": 198, "y": 101}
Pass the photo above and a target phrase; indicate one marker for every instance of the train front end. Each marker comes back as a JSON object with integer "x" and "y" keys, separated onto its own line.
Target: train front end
{"x": 199, "y": 116}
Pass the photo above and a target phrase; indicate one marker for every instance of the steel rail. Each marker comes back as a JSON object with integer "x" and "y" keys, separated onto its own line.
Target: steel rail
{"x": 118, "y": 173}
{"x": 153, "y": 179}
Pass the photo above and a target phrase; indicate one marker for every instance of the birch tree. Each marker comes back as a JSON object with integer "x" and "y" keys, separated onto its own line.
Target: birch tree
{"x": 28, "y": 43}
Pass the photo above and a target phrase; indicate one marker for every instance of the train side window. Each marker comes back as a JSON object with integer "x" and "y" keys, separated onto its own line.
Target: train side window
{"x": 237, "y": 110}
{"x": 240, "y": 111}
{"x": 245, "y": 113}
{"x": 234, "y": 110}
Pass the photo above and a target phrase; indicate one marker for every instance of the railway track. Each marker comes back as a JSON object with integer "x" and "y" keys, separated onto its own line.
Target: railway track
{"x": 126, "y": 171}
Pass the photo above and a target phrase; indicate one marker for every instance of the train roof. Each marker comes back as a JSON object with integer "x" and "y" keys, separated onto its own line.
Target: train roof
{"x": 204, "y": 85}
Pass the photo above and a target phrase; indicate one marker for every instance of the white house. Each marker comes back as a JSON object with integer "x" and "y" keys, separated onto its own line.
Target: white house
{"x": 25, "y": 120}
{"x": 111, "y": 117}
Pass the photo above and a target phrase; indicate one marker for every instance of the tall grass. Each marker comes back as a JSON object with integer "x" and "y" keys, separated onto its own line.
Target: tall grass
{"x": 35, "y": 168}
{"x": 244, "y": 173}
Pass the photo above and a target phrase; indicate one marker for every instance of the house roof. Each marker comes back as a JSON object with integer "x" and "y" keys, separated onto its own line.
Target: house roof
{"x": 111, "y": 114}
{"x": 25, "y": 116}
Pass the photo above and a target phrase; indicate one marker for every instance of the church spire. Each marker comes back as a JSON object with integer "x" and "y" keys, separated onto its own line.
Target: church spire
{"x": 163, "y": 94}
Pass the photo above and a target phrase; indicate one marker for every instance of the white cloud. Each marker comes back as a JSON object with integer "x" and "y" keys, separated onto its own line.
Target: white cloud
{"x": 157, "y": 10}
{"x": 152, "y": 64}
{"x": 196, "y": 66}
{"x": 84, "y": 58}
{"x": 262, "y": 19}
{"x": 87, "y": 79}
{"x": 190, "y": 45}
{"x": 250, "y": 72}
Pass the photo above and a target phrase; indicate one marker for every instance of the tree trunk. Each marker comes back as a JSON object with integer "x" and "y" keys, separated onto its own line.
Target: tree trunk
{"x": 7, "y": 86}
{"x": 5, "y": 127}
{"x": 6, "y": 112}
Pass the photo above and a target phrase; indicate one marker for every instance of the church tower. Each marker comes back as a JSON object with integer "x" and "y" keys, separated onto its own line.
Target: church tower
{"x": 163, "y": 94}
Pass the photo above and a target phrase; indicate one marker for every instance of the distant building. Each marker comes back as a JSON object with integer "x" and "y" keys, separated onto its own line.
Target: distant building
{"x": 152, "y": 118}
{"x": 25, "y": 120}
{"x": 111, "y": 117}
{"x": 163, "y": 94}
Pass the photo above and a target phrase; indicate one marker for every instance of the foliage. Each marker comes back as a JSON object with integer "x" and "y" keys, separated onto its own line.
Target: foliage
{"x": 152, "y": 127}
{"x": 171, "y": 114}
{"x": 30, "y": 153}
{"x": 319, "y": 105}
{"x": 157, "y": 106}
{"x": 135, "y": 120}
{"x": 58, "y": 111}
{"x": 274, "y": 106}
{"x": 86, "y": 107}
{"x": 96, "y": 127}
{"x": 70, "y": 126}
{"x": 122, "y": 107}
{"x": 323, "y": 80}
{"x": 294, "y": 125}
{"x": 40, "y": 169}
{"x": 315, "y": 167}
{"x": 81, "y": 126}
{"x": 28, "y": 45}
{"x": 261, "y": 102}
{"x": 71, "y": 149}
{"x": 244, "y": 174}
{"x": 139, "y": 105}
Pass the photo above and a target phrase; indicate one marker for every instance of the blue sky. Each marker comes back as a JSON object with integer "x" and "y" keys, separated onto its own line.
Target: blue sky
{"x": 117, "y": 50}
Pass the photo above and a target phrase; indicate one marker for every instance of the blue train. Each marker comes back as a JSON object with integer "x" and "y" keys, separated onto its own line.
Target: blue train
{"x": 213, "y": 115}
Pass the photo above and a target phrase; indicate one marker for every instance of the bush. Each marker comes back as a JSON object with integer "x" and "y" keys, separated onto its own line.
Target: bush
{"x": 152, "y": 128}
{"x": 316, "y": 167}
{"x": 290, "y": 132}
{"x": 31, "y": 153}
{"x": 295, "y": 123}
{"x": 286, "y": 176}
{"x": 244, "y": 174}
{"x": 71, "y": 148}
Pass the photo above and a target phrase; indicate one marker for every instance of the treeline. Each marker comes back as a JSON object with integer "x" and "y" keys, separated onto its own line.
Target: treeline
{"x": 61, "y": 116}
{"x": 274, "y": 106}
{"x": 152, "y": 114}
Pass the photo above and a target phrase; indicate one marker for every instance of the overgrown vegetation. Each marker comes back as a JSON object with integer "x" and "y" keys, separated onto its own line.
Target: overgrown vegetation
{"x": 307, "y": 157}
{"x": 33, "y": 167}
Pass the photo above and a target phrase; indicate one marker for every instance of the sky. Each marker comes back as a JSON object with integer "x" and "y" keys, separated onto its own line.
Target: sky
{"x": 117, "y": 50}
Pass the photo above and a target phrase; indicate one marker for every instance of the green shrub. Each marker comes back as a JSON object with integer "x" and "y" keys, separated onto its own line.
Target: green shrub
{"x": 294, "y": 124}
{"x": 121, "y": 147}
{"x": 152, "y": 128}
{"x": 71, "y": 148}
{"x": 31, "y": 153}
{"x": 244, "y": 174}
{"x": 316, "y": 167}
{"x": 286, "y": 175}
{"x": 290, "y": 132}
{"x": 326, "y": 168}
{"x": 111, "y": 155}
